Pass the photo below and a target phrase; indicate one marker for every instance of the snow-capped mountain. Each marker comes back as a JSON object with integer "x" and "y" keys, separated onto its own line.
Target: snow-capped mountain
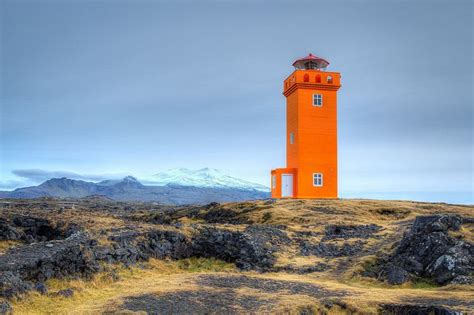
{"x": 130, "y": 180}
{"x": 205, "y": 177}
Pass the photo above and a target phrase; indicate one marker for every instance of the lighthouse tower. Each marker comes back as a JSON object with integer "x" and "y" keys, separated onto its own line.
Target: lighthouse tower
{"x": 311, "y": 132}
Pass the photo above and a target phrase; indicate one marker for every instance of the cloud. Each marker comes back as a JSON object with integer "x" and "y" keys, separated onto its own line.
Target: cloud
{"x": 39, "y": 175}
{"x": 11, "y": 184}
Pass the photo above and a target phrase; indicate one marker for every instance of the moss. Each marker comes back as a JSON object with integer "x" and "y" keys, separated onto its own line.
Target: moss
{"x": 423, "y": 284}
{"x": 267, "y": 216}
{"x": 194, "y": 264}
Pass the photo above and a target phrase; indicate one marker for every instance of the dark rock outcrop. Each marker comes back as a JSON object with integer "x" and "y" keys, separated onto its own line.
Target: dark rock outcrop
{"x": 350, "y": 231}
{"x": 428, "y": 251}
{"x": 324, "y": 249}
{"x": 8, "y": 232}
{"x": 41, "y": 288}
{"x": 27, "y": 267}
{"x": 66, "y": 293}
{"x": 35, "y": 229}
{"x": 130, "y": 247}
{"x": 23, "y": 266}
{"x": 250, "y": 249}
{"x": 396, "y": 274}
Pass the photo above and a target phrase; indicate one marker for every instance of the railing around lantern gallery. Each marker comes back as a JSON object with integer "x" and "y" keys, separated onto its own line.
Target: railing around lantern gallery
{"x": 320, "y": 78}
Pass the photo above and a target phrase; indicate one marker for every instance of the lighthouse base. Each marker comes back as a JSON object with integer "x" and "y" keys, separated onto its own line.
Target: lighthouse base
{"x": 297, "y": 183}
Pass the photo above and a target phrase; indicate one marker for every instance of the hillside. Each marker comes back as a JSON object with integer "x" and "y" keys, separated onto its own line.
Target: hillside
{"x": 283, "y": 256}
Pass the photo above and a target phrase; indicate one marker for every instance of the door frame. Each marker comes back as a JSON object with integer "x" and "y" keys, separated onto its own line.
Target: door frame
{"x": 292, "y": 185}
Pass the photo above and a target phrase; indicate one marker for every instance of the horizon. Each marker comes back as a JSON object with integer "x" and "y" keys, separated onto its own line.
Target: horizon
{"x": 398, "y": 195}
{"x": 98, "y": 90}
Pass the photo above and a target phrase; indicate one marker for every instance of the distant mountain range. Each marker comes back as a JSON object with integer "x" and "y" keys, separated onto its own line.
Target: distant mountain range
{"x": 181, "y": 186}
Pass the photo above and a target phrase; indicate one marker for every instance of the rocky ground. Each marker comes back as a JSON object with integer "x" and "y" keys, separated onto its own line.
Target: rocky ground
{"x": 96, "y": 255}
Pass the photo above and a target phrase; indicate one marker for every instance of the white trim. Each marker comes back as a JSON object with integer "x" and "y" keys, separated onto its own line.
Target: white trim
{"x": 318, "y": 179}
{"x": 317, "y": 100}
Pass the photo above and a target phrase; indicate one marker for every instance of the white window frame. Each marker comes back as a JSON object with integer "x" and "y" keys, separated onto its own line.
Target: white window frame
{"x": 318, "y": 100}
{"x": 274, "y": 181}
{"x": 318, "y": 179}
{"x": 292, "y": 138}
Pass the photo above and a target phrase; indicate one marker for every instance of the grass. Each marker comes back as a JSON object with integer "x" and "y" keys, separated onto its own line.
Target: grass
{"x": 107, "y": 289}
{"x": 91, "y": 296}
{"x": 194, "y": 264}
{"x": 5, "y": 245}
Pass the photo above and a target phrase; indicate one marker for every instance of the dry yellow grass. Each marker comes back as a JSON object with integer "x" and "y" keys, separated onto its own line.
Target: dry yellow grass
{"x": 286, "y": 258}
{"x": 5, "y": 245}
{"x": 102, "y": 292}
{"x": 366, "y": 297}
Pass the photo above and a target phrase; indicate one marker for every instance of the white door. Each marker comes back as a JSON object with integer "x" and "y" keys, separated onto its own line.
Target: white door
{"x": 286, "y": 185}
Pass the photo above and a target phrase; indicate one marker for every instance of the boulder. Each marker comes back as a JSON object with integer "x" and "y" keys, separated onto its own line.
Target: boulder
{"x": 396, "y": 275}
{"x": 67, "y": 293}
{"x": 428, "y": 251}
{"x": 8, "y": 232}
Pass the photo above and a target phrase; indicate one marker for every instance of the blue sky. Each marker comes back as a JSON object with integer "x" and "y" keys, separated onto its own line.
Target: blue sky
{"x": 99, "y": 88}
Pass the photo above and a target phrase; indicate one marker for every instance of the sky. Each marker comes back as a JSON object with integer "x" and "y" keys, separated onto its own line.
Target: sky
{"x": 97, "y": 89}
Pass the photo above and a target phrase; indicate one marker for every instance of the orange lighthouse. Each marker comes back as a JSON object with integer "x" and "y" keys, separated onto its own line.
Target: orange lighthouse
{"x": 311, "y": 132}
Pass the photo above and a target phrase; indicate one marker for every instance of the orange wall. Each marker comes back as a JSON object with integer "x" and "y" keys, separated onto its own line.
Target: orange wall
{"x": 292, "y": 126}
{"x": 276, "y": 191}
{"x": 315, "y": 129}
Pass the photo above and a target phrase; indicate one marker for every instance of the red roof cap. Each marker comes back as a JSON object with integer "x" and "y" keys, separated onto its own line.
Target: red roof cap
{"x": 320, "y": 61}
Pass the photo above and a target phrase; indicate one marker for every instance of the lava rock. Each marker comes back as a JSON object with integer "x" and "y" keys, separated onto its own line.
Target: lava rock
{"x": 37, "y": 229}
{"x": 323, "y": 249}
{"x": 129, "y": 247}
{"x": 397, "y": 275}
{"x": 67, "y": 293}
{"x": 251, "y": 249}
{"x": 37, "y": 263}
{"x": 428, "y": 251}
{"x": 5, "y": 308}
{"x": 350, "y": 231}
{"x": 41, "y": 288}
{"x": 12, "y": 284}
{"x": 8, "y": 232}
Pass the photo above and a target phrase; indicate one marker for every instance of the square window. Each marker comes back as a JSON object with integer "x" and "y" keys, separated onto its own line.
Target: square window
{"x": 318, "y": 179}
{"x": 318, "y": 100}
